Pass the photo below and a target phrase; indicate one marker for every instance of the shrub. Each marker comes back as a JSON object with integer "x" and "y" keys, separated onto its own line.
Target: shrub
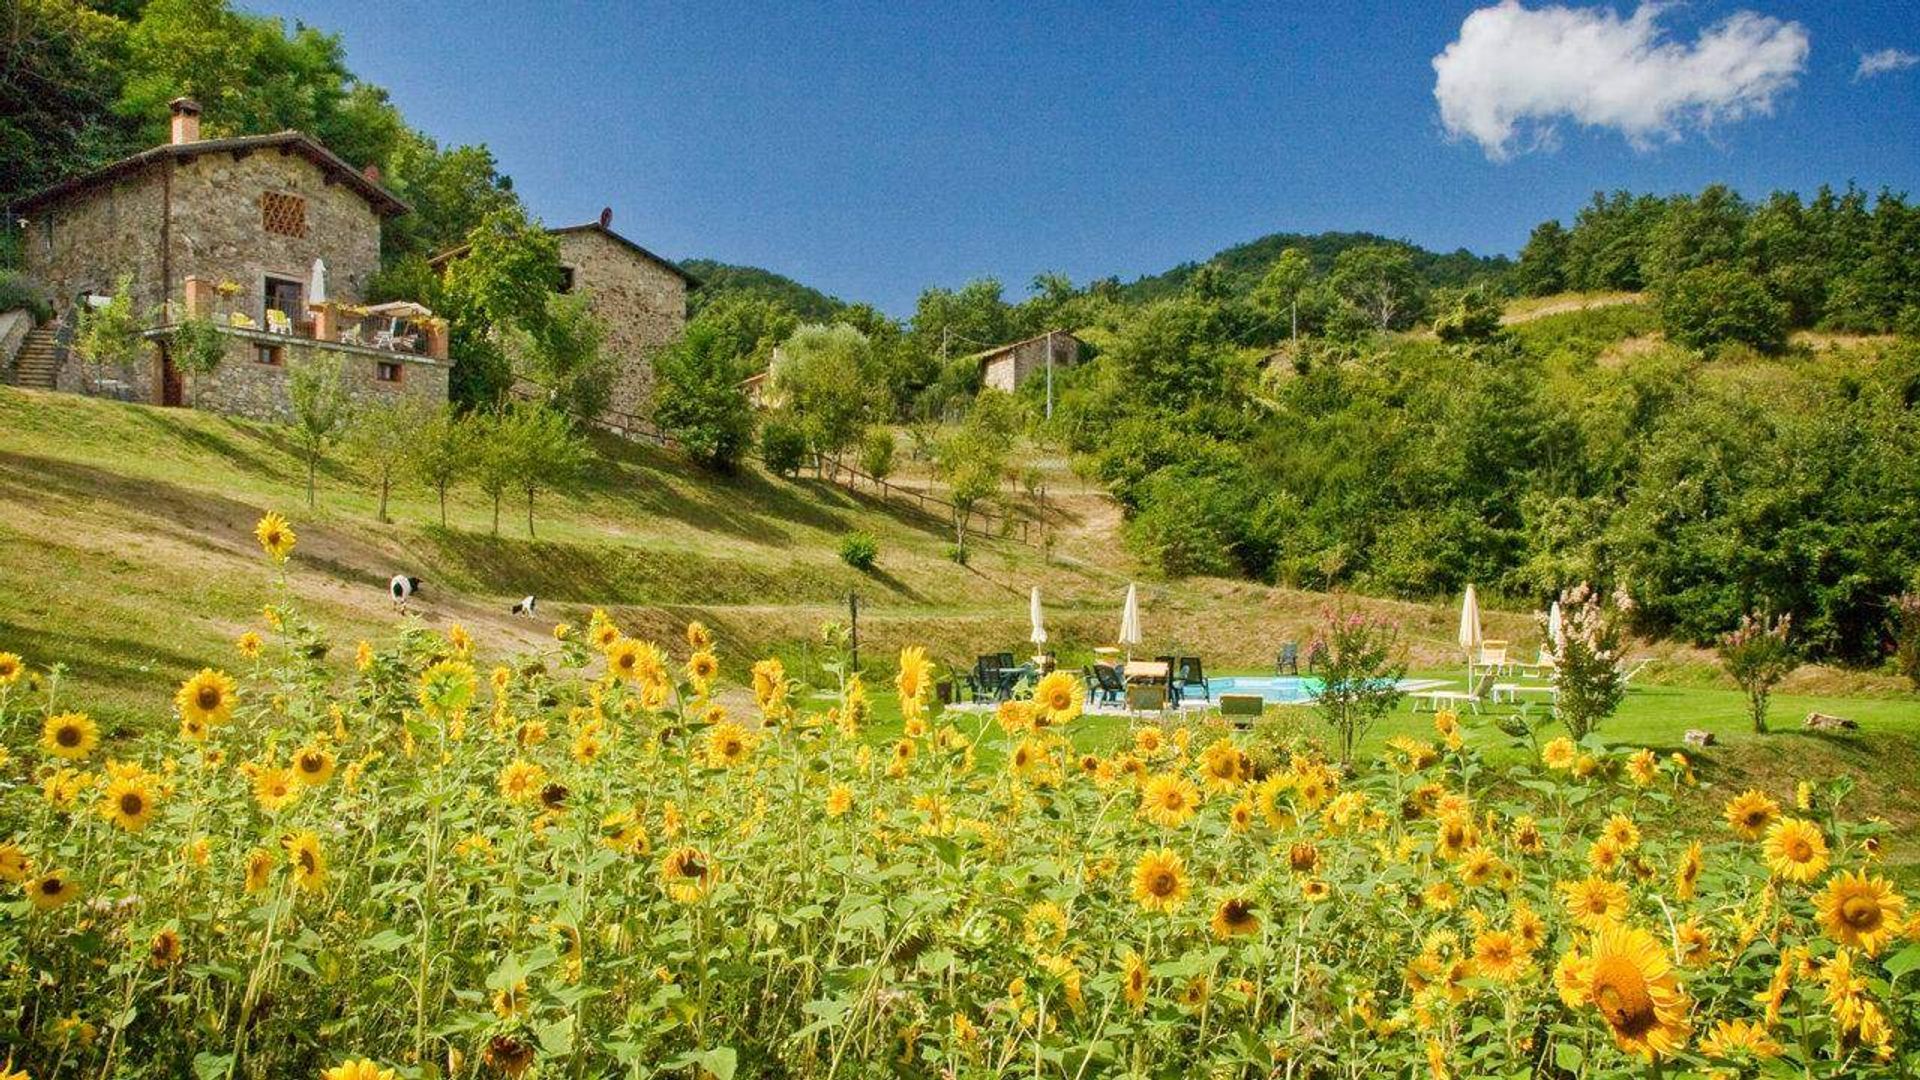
{"x": 1906, "y": 636}
{"x": 1466, "y": 315}
{"x": 17, "y": 293}
{"x": 198, "y": 345}
{"x": 1757, "y": 656}
{"x": 876, "y": 452}
{"x": 1714, "y": 305}
{"x": 1360, "y": 665}
{"x": 1587, "y": 660}
{"x": 958, "y": 553}
{"x": 859, "y": 550}
{"x": 783, "y": 446}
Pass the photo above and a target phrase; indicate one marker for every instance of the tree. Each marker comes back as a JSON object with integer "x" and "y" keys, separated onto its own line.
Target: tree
{"x": 877, "y": 452}
{"x": 1278, "y": 295}
{"x": 501, "y": 284}
{"x": 1543, "y": 262}
{"x": 442, "y": 451}
{"x": 1360, "y": 664}
{"x": 109, "y": 335}
{"x": 1709, "y": 306}
{"x": 697, "y": 395}
{"x": 545, "y": 453}
{"x": 1587, "y": 671}
{"x": 825, "y": 376}
{"x": 1378, "y": 282}
{"x": 320, "y": 408}
{"x": 560, "y": 353}
{"x": 62, "y": 60}
{"x": 452, "y": 191}
{"x": 382, "y": 439}
{"x": 1466, "y": 315}
{"x": 1172, "y": 355}
{"x": 973, "y": 459}
{"x": 1757, "y": 655}
{"x": 496, "y": 461}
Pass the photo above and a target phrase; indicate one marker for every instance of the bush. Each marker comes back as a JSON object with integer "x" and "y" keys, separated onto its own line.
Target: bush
{"x": 859, "y": 550}
{"x": 783, "y": 447}
{"x": 1466, "y": 315}
{"x": 876, "y": 453}
{"x": 1906, "y": 636}
{"x": 1361, "y": 665}
{"x": 958, "y": 553}
{"x": 1714, "y": 305}
{"x": 17, "y": 293}
{"x": 1757, "y": 656}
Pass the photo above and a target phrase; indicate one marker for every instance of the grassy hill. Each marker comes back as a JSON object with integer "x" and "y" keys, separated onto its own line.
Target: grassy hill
{"x": 1244, "y": 264}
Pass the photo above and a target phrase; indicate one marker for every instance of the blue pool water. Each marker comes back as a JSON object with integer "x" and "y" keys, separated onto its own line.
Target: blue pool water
{"x": 1276, "y": 689}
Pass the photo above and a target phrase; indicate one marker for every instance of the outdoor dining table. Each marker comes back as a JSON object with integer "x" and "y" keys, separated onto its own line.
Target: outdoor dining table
{"x": 1147, "y": 671}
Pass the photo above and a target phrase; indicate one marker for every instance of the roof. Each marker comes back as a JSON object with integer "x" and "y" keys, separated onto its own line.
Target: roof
{"x": 592, "y": 226}
{"x": 385, "y": 202}
{"x": 986, "y": 355}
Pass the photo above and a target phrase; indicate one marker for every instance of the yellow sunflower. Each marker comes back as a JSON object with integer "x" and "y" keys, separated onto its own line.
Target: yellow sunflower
{"x": 1686, "y": 878}
{"x": 128, "y": 803}
{"x": 1643, "y": 767}
{"x": 699, "y": 638}
{"x": 839, "y": 800}
{"x": 207, "y": 698}
{"x": 259, "y": 869}
{"x": 915, "y": 678}
{"x": 728, "y": 745}
{"x": 1594, "y": 903}
{"x": 521, "y": 780}
{"x": 1160, "y": 881}
{"x": 1750, "y": 812}
{"x": 1861, "y": 912}
{"x": 1631, "y": 983}
{"x": 1621, "y": 832}
{"x": 605, "y": 633}
{"x": 163, "y": 949}
{"x": 69, "y": 735}
{"x": 1135, "y": 978}
{"x": 688, "y": 875}
{"x": 275, "y": 789}
{"x": 14, "y": 864}
{"x": 1795, "y": 850}
{"x": 361, "y": 1069}
{"x": 1060, "y": 696}
{"x": 308, "y": 861}
{"x": 10, "y": 668}
{"x": 51, "y": 889}
{"x": 1499, "y": 955}
{"x": 702, "y": 668}
{"x": 1302, "y": 857}
{"x": 1224, "y": 766}
{"x": 1169, "y": 800}
{"x": 1731, "y": 1039}
{"x": 275, "y": 536}
{"x": 1234, "y": 917}
{"x": 313, "y": 765}
{"x": 1560, "y": 754}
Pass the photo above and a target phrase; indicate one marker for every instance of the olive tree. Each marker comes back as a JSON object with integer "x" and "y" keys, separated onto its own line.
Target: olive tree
{"x": 320, "y": 409}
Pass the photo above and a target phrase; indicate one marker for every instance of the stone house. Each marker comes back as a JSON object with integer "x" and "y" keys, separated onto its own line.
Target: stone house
{"x": 241, "y": 231}
{"x": 1005, "y": 367}
{"x": 640, "y": 297}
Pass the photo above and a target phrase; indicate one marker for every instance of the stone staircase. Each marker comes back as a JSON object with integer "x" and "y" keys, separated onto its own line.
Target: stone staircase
{"x": 38, "y": 360}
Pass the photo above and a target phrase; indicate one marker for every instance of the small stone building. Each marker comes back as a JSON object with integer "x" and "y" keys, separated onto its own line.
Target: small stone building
{"x": 241, "y": 231}
{"x": 640, "y": 297}
{"x": 1007, "y": 366}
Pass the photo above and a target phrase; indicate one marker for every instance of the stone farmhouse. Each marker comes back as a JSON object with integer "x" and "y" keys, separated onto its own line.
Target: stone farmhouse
{"x": 272, "y": 238}
{"x": 640, "y": 297}
{"x": 1005, "y": 367}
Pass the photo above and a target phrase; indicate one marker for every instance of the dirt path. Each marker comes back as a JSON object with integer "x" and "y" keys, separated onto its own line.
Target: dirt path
{"x": 1562, "y": 305}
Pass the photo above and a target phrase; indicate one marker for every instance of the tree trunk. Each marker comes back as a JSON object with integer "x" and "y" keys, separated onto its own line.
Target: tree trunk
{"x": 443, "y": 506}
{"x": 529, "y": 513}
{"x": 313, "y": 463}
{"x": 386, "y": 486}
{"x": 496, "y": 514}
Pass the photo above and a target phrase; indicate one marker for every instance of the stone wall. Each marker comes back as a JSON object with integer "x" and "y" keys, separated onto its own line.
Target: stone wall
{"x": 641, "y": 301}
{"x": 240, "y": 385}
{"x": 85, "y": 242}
{"x": 1010, "y": 367}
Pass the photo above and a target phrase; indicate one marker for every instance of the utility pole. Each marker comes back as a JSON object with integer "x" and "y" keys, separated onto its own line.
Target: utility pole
{"x": 853, "y": 626}
{"x": 1049, "y": 374}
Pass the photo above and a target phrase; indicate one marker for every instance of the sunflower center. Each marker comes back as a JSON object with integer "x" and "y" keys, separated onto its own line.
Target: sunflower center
{"x": 308, "y": 864}
{"x": 68, "y": 735}
{"x": 208, "y": 698}
{"x": 1161, "y": 883}
{"x": 1623, "y": 997}
{"x": 1861, "y": 912}
{"x": 131, "y": 804}
{"x": 1799, "y": 850}
{"x": 52, "y": 886}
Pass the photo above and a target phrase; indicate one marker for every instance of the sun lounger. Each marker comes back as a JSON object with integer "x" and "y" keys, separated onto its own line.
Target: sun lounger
{"x": 1469, "y": 699}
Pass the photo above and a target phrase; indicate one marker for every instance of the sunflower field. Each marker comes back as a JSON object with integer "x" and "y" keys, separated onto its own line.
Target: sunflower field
{"x": 617, "y": 858}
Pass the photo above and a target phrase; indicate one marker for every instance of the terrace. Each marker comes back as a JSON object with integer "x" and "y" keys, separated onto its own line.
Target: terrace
{"x": 400, "y": 326}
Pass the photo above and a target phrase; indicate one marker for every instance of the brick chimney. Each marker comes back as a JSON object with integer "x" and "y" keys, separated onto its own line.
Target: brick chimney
{"x": 186, "y": 120}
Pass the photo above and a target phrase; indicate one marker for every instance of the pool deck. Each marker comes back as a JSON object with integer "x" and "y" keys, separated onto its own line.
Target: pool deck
{"x": 1189, "y": 705}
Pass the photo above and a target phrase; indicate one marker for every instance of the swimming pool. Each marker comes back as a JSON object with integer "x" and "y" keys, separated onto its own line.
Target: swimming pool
{"x": 1276, "y": 689}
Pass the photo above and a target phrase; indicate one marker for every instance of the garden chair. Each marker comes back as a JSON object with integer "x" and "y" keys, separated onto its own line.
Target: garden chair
{"x": 983, "y": 682}
{"x": 278, "y": 322}
{"x": 1192, "y": 675}
{"x": 1289, "y": 661}
{"x": 1470, "y": 698}
{"x": 1106, "y": 685}
{"x": 1172, "y": 682}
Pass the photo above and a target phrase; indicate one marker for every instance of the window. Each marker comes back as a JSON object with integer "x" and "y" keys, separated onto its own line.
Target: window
{"x": 566, "y": 279}
{"x": 269, "y": 355}
{"x": 387, "y": 371}
{"x": 283, "y": 214}
{"x": 284, "y": 296}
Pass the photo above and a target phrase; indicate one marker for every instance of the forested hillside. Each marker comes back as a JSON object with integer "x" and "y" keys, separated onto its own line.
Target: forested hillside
{"x": 1241, "y": 267}
{"x": 719, "y": 279}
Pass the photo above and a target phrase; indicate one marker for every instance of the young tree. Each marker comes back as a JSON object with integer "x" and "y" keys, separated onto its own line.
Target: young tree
{"x": 1379, "y": 282}
{"x": 546, "y": 453}
{"x": 496, "y": 460}
{"x": 501, "y": 284}
{"x": 320, "y": 408}
{"x": 1360, "y": 665}
{"x": 825, "y": 375}
{"x": 1543, "y": 262}
{"x": 109, "y": 335}
{"x": 560, "y": 353}
{"x": 1587, "y": 660}
{"x": 1277, "y": 297}
{"x": 876, "y": 452}
{"x": 1757, "y": 656}
{"x": 697, "y": 395}
{"x": 973, "y": 459}
{"x": 441, "y": 451}
{"x": 382, "y": 438}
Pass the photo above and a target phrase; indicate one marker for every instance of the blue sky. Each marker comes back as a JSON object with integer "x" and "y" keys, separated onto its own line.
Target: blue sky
{"x": 874, "y": 150}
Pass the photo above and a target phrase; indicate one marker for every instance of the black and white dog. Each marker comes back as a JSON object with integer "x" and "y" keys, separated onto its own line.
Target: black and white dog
{"x": 525, "y": 606}
{"x": 403, "y": 588}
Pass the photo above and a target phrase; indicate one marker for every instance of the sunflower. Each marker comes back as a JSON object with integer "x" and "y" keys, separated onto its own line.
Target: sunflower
{"x": 603, "y": 632}
{"x": 1686, "y": 878}
{"x": 770, "y": 686}
{"x": 308, "y": 861}
{"x": 69, "y": 735}
{"x": 1631, "y": 983}
{"x": 51, "y": 889}
{"x": 1314, "y": 890}
{"x": 1795, "y": 850}
{"x": 1169, "y": 800}
{"x": 1060, "y": 696}
{"x": 915, "y": 678}
{"x": 521, "y": 780}
{"x": 1529, "y": 929}
{"x": 1500, "y": 956}
{"x": 248, "y": 645}
{"x": 699, "y": 638}
{"x": 1643, "y": 767}
{"x": 688, "y": 875}
{"x": 362, "y": 1069}
{"x": 1234, "y": 917}
{"x": 1148, "y": 740}
{"x": 1621, "y": 832}
{"x": 1750, "y": 812}
{"x": 1860, "y": 912}
{"x": 1526, "y": 836}
{"x": 10, "y": 668}
{"x": 1160, "y": 881}
{"x": 14, "y": 864}
{"x": 1560, "y": 754}
{"x": 1224, "y": 766}
{"x": 1731, "y": 1039}
{"x": 508, "y": 1055}
{"x": 1135, "y": 978}
{"x": 128, "y": 803}
{"x": 1302, "y": 857}
{"x": 1594, "y": 903}
{"x": 163, "y": 951}
{"x": 207, "y": 697}
{"x": 275, "y": 789}
{"x": 275, "y": 536}
{"x": 839, "y": 800}
{"x": 259, "y": 870}
{"x": 728, "y": 745}
{"x": 313, "y": 765}
{"x": 1693, "y": 943}
{"x": 702, "y": 668}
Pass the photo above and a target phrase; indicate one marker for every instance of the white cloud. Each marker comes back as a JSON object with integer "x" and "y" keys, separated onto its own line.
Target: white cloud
{"x": 1883, "y": 61}
{"x": 1513, "y": 73}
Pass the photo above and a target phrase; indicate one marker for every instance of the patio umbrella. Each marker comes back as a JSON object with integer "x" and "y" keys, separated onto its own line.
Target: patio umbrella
{"x": 1554, "y": 628}
{"x": 1130, "y": 621}
{"x": 1039, "y": 628}
{"x": 1470, "y": 635}
{"x": 318, "y": 293}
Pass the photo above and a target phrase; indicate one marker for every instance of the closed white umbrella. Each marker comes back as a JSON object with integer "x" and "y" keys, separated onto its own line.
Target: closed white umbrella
{"x": 318, "y": 293}
{"x": 1039, "y": 627}
{"x": 1130, "y": 621}
{"x": 1555, "y": 628}
{"x": 1470, "y": 634}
